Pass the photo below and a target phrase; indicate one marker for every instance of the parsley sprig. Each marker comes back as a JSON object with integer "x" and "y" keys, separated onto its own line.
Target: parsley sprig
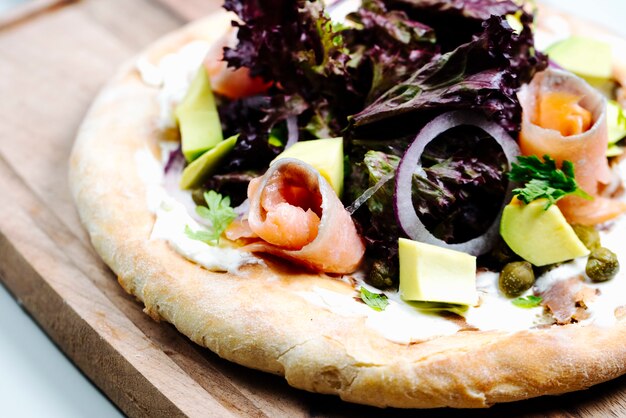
{"x": 218, "y": 212}
{"x": 543, "y": 180}
{"x": 376, "y": 301}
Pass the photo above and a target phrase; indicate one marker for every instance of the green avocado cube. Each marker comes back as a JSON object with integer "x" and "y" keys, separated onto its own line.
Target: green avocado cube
{"x": 197, "y": 117}
{"x": 539, "y": 236}
{"x": 325, "y": 155}
{"x": 616, "y": 121}
{"x": 433, "y": 274}
{"x": 614, "y": 151}
{"x": 200, "y": 169}
{"x": 589, "y": 58}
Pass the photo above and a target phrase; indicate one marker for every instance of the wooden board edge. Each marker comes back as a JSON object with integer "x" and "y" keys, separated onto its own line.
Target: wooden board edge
{"x": 45, "y": 282}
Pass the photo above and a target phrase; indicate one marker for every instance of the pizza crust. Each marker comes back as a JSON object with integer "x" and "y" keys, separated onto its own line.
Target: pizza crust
{"x": 257, "y": 319}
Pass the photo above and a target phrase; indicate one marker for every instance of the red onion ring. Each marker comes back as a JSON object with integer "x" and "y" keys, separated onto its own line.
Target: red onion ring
{"x": 292, "y": 131}
{"x": 410, "y": 163}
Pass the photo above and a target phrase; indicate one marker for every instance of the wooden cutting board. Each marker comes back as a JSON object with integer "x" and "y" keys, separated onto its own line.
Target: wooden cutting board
{"x": 55, "y": 56}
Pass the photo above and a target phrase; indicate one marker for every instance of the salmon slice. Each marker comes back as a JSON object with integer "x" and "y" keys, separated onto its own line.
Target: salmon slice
{"x": 239, "y": 229}
{"x": 561, "y": 112}
{"x": 298, "y": 216}
{"x": 234, "y": 84}
{"x": 586, "y": 150}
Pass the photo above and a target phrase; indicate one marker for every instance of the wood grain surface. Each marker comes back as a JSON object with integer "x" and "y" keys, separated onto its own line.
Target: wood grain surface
{"x": 53, "y": 61}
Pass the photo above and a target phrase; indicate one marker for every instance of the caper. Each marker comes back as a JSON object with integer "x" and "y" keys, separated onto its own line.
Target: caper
{"x": 588, "y": 235}
{"x": 516, "y": 278}
{"x": 198, "y": 197}
{"x": 602, "y": 265}
{"x": 381, "y": 275}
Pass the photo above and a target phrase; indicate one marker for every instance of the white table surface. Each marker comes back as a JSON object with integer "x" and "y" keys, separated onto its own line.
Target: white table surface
{"x": 37, "y": 380}
{"x": 7, "y": 4}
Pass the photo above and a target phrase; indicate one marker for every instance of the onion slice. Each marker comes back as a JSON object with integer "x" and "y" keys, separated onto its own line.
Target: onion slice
{"x": 292, "y": 131}
{"x": 367, "y": 194}
{"x": 411, "y": 163}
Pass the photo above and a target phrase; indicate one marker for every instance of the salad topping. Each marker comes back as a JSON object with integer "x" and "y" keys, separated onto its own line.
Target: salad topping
{"x": 298, "y": 215}
{"x": 430, "y": 98}
{"x": 411, "y": 166}
{"x": 586, "y": 150}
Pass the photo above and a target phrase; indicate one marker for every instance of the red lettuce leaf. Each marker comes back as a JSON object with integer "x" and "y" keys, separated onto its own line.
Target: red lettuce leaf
{"x": 483, "y": 74}
{"x": 473, "y": 10}
{"x": 253, "y": 118}
{"x": 294, "y": 44}
{"x": 455, "y": 21}
{"x": 393, "y": 44}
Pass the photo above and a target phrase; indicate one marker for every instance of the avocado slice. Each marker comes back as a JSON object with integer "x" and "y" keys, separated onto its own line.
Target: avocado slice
{"x": 539, "y": 236}
{"x": 434, "y": 274}
{"x": 197, "y": 117}
{"x": 204, "y": 166}
{"x": 616, "y": 120}
{"x": 614, "y": 151}
{"x": 325, "y": 155}
{"x": 589, "y": 58}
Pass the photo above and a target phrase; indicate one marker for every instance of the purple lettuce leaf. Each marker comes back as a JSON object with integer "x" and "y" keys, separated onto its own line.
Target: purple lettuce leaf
{"x": 233, "y": 185}
{"x": 253, "y": 118}
{"x": 373, "y": 218}
{"x": 483, "y": 74}
{"x": 393, "y": 44}
{"x": 464, "y": 184}
{"x": 474, "y": 10}
{"x": 455, "y": 21}
{"x": 457, "y": 197}
{"x": 294, "y": 44}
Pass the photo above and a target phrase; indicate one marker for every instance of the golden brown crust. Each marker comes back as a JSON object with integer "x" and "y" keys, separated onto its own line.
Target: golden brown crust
{"x": 259, "y": 321}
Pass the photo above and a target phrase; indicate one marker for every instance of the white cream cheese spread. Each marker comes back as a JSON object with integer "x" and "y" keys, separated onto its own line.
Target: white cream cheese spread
{"x": 172, "y": 218}
{"x": 399, "y": 322}
{"x": 173, "y": 75}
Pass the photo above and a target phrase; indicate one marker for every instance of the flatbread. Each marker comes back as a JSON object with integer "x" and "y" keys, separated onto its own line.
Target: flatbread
{"x": 258, "y": 319}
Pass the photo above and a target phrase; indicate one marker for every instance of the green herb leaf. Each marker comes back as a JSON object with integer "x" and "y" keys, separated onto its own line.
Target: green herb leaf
{"x": 218, "y": 212}
{"x": 376, "y": 301}
{"x": 200, "y": 235}
{"x": 527, "y": 302}
{"x": 543, "y": 180}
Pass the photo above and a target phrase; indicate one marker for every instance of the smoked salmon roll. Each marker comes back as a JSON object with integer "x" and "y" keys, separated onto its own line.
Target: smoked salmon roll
{"x": 298, "y": 216}
{"x": 565, "y": 118}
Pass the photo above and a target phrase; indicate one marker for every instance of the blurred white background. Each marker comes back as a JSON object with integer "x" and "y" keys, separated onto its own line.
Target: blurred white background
{"x": 610, "y": 13}
{"x": 7, "y": 4}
